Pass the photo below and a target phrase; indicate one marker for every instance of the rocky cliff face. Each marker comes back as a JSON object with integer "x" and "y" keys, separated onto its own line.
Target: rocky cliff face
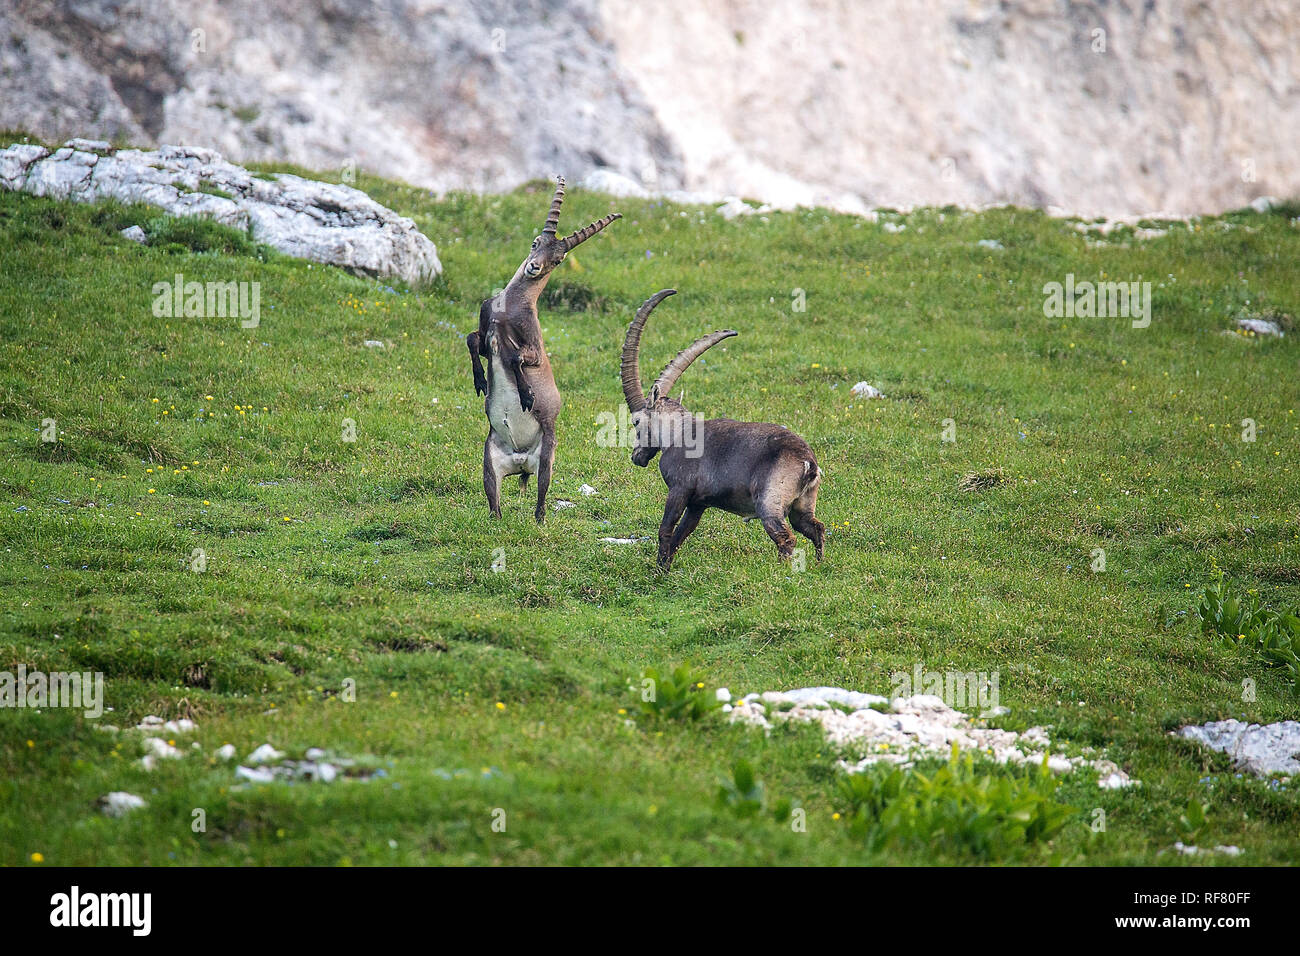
{"x": 448, "y": 95}
{"x": 1106, "y": 108}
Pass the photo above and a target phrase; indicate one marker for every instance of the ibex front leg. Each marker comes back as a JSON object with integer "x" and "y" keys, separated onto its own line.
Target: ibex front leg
{"x": 673, "y": 509}
{"x": 529, "y": 357}
{"x": 473, "y": 341}
{"x": 684, "y": 527}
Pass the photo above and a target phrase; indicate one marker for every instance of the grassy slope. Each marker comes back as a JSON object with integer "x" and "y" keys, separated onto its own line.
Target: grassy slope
{"x": 1110, "y": 437}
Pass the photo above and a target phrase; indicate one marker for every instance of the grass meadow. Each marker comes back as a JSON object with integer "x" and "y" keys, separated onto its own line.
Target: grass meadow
{"x": 492, "y": 721}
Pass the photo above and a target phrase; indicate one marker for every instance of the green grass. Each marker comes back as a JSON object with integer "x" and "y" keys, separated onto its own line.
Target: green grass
{"x": 371, "y": 561}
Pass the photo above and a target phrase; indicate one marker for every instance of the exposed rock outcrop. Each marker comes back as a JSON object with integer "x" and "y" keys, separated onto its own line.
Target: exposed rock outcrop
{"x": 326, "y": 223}
{"x": 868, "y": 730}
{"x": 449, "y": 95}
{"x": 1259, "y": 748}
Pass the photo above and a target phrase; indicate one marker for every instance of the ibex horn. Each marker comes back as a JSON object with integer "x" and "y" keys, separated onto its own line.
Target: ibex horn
{"x": 582, "y": 235}
{"x": 668, "y": 377}
{"x": 631, "y": 368}
{"x": 553, "y": 220}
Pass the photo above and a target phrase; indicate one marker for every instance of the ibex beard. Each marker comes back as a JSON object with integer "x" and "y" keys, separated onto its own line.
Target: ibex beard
{"x": 752, "y": 469}
{"x": 522, "y": 402}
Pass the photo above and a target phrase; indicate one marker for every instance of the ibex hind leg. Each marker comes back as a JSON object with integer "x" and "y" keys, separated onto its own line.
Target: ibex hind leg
{"x": 491, "y": 479}
{"x": 804, "y": 520}
{"x": 545, "y": 465}
{"x": 498, "y": 464}
{"x": 781, "y": 535}
{"x": 782, "y": 487}
{"x": 810, "y": 528}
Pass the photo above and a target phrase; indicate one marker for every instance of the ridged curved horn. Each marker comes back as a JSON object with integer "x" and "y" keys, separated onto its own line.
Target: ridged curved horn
{"x": 631, "y": 368}
{"x": 582, "y": 235}
{"x": 553, "y": 220}
{"x": 668, "y": 377}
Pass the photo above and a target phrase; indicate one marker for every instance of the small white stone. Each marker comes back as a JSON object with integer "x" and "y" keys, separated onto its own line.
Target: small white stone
{"x": 255, "y": 774}
{"x": 1263, "y": 327}
{"x": 324, "y": 772}
{"x": 119, "y": 803}
{"x": 735, "y": 206}
{"x": 867, "y": 390}
{"x": 1117, "y": 780}
{"x": 587, "y": 490}
{"x": 226, "y": 752}
{"x": 264, "y": 754}
{"x": 161, "y": 749}
{"x": 135, "y": 234}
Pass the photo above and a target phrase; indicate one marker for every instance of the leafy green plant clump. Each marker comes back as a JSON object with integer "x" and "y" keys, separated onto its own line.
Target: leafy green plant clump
{"x": 1246, "y": 624}
{"x": 678, "y": 695}
{"x": 961, "y": 809}
{"x": 744, "y": 795}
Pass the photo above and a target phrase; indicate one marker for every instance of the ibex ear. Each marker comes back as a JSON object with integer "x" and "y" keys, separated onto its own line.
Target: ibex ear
{"x": 653, "y": 400}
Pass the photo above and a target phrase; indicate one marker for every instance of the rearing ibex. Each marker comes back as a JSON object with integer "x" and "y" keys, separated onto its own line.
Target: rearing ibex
{"x": 753, "y": 470}
{"x": 522, "y": 401}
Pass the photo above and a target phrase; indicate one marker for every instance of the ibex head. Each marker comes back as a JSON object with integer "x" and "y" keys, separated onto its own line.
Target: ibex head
{"x": 659, "y": 421}
{"x": 548, "y": 249}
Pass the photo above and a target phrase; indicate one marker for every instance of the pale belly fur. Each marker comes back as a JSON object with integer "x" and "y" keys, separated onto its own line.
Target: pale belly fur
{"x": 517, "y": 431}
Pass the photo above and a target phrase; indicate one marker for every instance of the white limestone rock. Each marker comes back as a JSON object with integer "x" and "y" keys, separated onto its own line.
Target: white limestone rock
{"x": 870, "y": 729}
{"x": 1261, "y": 749}
{"x": 324, "y": 222}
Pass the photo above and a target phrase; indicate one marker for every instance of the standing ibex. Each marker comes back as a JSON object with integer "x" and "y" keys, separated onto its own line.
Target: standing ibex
{"x": 753, "y": 470}
{"x": 522, "y": 400}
